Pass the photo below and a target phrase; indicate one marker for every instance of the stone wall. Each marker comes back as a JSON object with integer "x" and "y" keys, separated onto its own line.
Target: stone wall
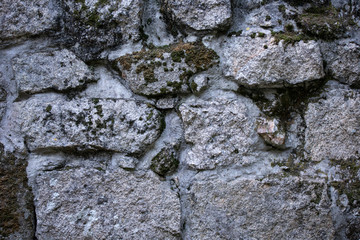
{"x": 166, "y": 119}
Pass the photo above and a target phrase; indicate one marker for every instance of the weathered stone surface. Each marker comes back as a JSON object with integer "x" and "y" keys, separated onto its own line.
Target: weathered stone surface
{"x": 57, "y": 70}
{"x": 96, "y": 25}
{"x": 50, "y": 122}
{"x": 251, "y": 209}
{"x": 88, "y": 203}
{"x": 199, "y": 83}
{"x": 251, "y": 63}
{"x": 166, "y": 103}
{"x": 123, "y": 161}
{"x": 3, "y": 95}
{"x": 16, "y": 199}
{"x": 29, "y": 17}
{"x": 333, "y": 124}
{"x": 165, "y": 70}
{"x": 221, "y": 130}
{"x": 343, "y": 61}
{"x": 271, "y": 131}
{"x": 199, "y": 14}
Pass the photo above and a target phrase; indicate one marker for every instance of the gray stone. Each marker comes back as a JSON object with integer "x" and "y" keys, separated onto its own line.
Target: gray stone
{"x": 96, "y": 25}
{"x": 166, "y": 103}
{"x": 44, "y": 71}
{"x": 165, "y": 70}
{"x": 199, "y": 15}
{"x": 25, "y": 18}
{"x": 199, "y": 83}
{"x": 51, "y": 122}
{"x": 333, "y": 124}
{"x": 123, "y": 161}
{"x": 250, "y": 63}
{"x": 221, "y": 130}
{"x": 3, "y": 94}
{"x": 89, "y": 203}
{"x": 344, "y": 65}
{"x": 290, "y": 208}
{"x": 271, "y": 131}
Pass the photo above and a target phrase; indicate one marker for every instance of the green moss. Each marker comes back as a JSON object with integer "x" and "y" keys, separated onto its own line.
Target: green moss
{"x": 261, "y": 34}
{"x": 289, "y": 27}
{"x": 267, "y": 18}
{"x": 99, "y": 110}
{"x": 193, "y": 86}
{"x": 289, "y": 37}
{"x": 235, "y": 33}
{"x": 177, "y": 55}
{"x": 323, "y": 22}
{"x": 164, "y": 162}
{"x": 266, "y": 47}
{"x": 148, "y": 72}
{"x": 350, "y": 183}
{"x": 150, "y": 115}
{"x": 196, "y": 56}
{"x": 282, "y": 8}
{"x": 253, "y": 35}
{"x": 48, "y": 108}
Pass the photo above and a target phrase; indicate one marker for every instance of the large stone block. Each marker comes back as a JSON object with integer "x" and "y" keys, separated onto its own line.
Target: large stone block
{"x": 50, "y": 122}
{"x": 44, "y": 71}
{"x": 333, "y": 124}
{"x": 89, "y": 203}
{"x": 253, "y": 209}
{"x": 260, "y": 62}
{"x": 222, "y": 131}
{"x": 199, "y": 15}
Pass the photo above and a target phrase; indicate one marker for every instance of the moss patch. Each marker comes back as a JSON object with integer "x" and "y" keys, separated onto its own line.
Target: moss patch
{"x": 350, "y": 183}
{"x": 165, "y": 162}
{"x": 322, "y": 22}
{"x": 13, "y": 191}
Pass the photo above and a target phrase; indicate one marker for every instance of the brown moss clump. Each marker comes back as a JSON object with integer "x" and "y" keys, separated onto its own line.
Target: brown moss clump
{"x": 195, "y": 55}
{"x": 323, "y": 23}
{"x": 13, "y": 191}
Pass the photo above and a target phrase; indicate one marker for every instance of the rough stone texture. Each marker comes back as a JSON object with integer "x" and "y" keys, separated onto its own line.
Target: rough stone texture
{"x": 251, "y": 209}
{"x": 55, "y": 70}
{"x": 221, "y": 130}
{"x": 271, "y": 131}
{"x": 119, "y": 125}
{"x": 3, "y": 95}
{"x": 199, "y": 15}
{"x": 86, "y": 203}
{"x": 333, "y": 124}
{"x": 165, "y": 70}
{"x": 199, "y": 83}
{"x": 343, "y": 61}
{"x": 29, "y": 17}
{"x": 182, "y": 120}
{"x": 16, "y": 200}
{"x": 251, "y": 64}
{"x": 97, "y": 25}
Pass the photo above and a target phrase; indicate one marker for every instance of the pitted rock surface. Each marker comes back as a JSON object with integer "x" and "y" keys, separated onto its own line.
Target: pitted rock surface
{"x": 84, "y": 124}
{"x": 95, "y": 204}
{"x": 251, "y": 64}
{"x": 55, "y": 70}
{"x": 200, "y": 15}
